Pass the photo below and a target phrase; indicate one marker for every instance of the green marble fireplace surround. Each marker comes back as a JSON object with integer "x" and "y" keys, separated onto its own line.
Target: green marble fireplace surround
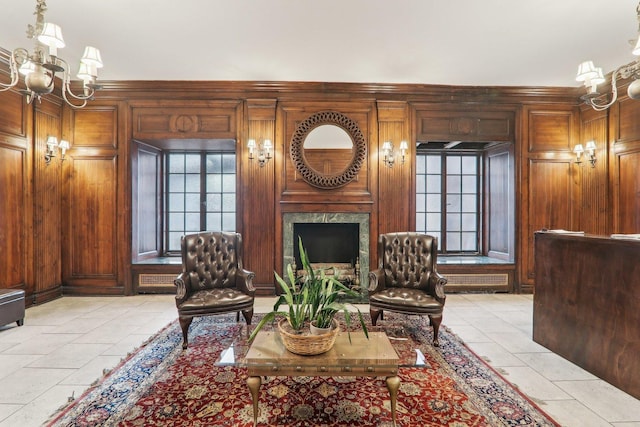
{"x": 291, "y": 218}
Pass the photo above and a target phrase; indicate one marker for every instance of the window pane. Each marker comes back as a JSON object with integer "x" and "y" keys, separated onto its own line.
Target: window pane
{"x": 228, "y": 183}
{"x": 469, "y": 203}
{"x": 438, "y": 236}
{"x": 469, "y": 242}
{"x": 453, "y": 242}
{"x": 453, "y": 165}
{"x": 469, "y": 184}
{"x": 176, "y": 221}
{"x": 469, "y": 165}
{"x": 214, "y": 163}
{"x": 469, "y": 222}
{"x": 192, "y": 202}
{"x": 228, "y": 164}
{"x": 228, "y": 221}
{"x": 421, "y": 222}
{"x": 421, "y": 164}
{"x": 229, "y": 202}
{"x": 214, "y": 221}
{"x": 434, "y": 184}
{"x": 453, "y": 222}
{"x": 434, "y": 203}
{"x": 433, "y": 221}
{"x": 421, "y": 203}
{"x": 176, "y": 163}
{"x": 420, "y": 184}
{"x": 176, "y": 183}
{"x": 192, "y": 183}
{"x": 192, "y": 221}
{"x": 174, "y": 241}
{"x": 192, "y": 163}
{"x": 176, "y": 202}
{"x": 214, "y": 202}
{"x": 214, "y": 183}
{"x": 433, "y": 164}
{"x": 453, "y": 184}
{"x": 453, "y": 203}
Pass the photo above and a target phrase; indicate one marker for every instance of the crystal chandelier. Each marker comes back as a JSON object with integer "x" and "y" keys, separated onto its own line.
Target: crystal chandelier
{"x": 592, "y": 77}
{"x": 40, "y": 66}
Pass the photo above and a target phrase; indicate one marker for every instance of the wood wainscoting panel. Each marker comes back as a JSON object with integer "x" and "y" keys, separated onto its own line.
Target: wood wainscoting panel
{"x": 95, "y": 127}
{"x": 446, "y": 123}
{"x": 14, "y": 261}
{"x": 550, "y": 130}
{"x": 627, "y": 191}
{"x": 13, "y": 114}
{"x": 94, "y": 238}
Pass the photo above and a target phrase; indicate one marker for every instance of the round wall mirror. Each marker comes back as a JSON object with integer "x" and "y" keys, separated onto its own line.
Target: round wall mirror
{"x": 328, "y": 149}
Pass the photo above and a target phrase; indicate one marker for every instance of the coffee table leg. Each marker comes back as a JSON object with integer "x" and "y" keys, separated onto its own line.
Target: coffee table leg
{"x": 254, "y": 387}
{"x": 393, "y": 384}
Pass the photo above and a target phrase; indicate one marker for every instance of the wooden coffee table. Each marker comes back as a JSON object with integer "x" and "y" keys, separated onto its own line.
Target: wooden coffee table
{"x": 374, "y": 357}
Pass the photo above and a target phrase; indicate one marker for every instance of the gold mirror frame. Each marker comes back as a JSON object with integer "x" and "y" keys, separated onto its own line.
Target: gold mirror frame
{"x": 310, "y": 175}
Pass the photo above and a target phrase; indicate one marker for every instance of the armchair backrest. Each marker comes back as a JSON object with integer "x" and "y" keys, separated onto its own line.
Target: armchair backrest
{"x": 407, "y": 259}
{"x": 212, "y": 259}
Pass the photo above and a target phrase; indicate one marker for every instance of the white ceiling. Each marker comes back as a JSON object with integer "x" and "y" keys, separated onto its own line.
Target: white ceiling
{"x": 453, "y": 42}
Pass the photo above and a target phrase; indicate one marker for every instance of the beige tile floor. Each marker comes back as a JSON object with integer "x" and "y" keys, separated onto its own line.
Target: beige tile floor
{"x": 66, "y": 344}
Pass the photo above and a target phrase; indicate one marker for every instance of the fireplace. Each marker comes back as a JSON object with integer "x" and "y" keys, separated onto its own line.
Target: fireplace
{"x": 329, "y": 238}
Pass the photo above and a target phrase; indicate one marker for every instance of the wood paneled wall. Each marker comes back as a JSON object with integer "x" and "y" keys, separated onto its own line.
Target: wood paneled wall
{"x": 82, "y": 209}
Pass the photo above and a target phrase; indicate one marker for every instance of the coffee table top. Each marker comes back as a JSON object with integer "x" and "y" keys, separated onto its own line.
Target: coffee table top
{"x": 267, "y": 350}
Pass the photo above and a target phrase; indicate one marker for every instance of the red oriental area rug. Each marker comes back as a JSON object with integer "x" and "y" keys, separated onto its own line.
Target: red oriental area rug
{"x": 162, "y": 385}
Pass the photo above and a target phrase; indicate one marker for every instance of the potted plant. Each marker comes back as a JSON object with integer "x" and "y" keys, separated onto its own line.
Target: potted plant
{"x": 312, "y": 298}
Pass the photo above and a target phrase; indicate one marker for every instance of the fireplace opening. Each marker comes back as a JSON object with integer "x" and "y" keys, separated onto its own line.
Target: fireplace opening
{"x": 330, "y": 246}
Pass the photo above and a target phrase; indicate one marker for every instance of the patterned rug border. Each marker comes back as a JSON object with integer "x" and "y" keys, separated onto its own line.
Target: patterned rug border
{"x": 165, "y": 344}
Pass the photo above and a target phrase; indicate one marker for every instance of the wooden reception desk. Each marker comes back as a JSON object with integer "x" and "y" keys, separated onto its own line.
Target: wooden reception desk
{"x": 586, "y": 305}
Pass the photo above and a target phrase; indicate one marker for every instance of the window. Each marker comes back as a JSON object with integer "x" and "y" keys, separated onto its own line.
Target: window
{"x": 200, "y": 194}
{"x": 448, "y": 200}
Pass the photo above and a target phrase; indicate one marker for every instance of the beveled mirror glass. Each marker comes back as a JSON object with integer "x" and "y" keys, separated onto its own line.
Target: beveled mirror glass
{"x": 328, "y": 149}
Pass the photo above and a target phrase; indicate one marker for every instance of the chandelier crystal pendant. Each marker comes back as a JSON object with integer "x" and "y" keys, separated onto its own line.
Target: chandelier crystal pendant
{"x": 40, "y": 66}
{"x": 592, "y": 76}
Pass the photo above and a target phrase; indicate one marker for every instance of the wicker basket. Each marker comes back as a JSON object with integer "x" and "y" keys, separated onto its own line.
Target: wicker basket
{"x": 307, "y": 344}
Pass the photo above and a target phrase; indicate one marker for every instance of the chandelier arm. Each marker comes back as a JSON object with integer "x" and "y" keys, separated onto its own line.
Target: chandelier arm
{"x": 614, "y": 94}
{"x": 15, "y": 76}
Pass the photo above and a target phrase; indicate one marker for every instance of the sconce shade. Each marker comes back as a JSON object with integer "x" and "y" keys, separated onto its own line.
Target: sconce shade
{"x": 267, "y": 144}
{"x": 51, "y": 36}
{"x": 403, "y": 145}
{"x": 591, "y": 145}
{"x": 84, "y": 72}
{"x": 64, "y": 145}
{"x": 578, "y": 149}
{"x": 636, "y": 49}
{"x": 586, "y": 71}
{"x": 92, "y": 56}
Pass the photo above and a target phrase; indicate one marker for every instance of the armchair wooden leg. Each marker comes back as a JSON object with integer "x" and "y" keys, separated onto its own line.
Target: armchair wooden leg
{"x": 435, "y": 322}
{"x": 248, "y": 314}
{"x": 374, "y": 313}
{"x": 185, "y": 322}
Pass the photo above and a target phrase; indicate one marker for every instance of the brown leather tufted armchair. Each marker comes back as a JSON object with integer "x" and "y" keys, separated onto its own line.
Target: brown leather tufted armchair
{"x": 212, "y": 279}
{"x": 407, "y": 281}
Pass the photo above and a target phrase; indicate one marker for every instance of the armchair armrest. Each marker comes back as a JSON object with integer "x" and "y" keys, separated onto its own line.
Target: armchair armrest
{"x": 437, "y": 285}
{"x": 376, "y": 280}
{"x": 244, "y": 281}
{"x": 181, "y": 283}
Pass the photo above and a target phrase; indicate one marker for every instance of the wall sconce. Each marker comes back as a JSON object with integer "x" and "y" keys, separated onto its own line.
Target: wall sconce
{"x": 591, "y": 152}
{"x": 389, "y": 156}
{"x": 265, "y": 151}
{"x": 52, "y": 149}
